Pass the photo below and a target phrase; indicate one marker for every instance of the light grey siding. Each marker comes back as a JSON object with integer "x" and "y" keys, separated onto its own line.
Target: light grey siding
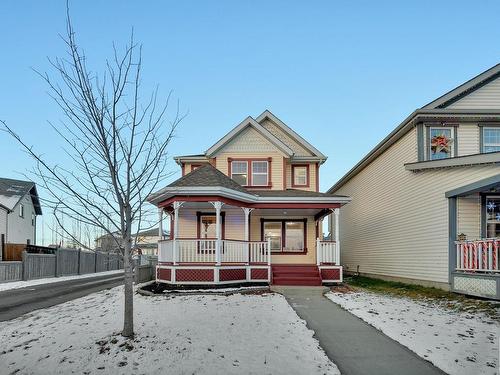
{"x": 397, "y": 222}
{"x": 469, "y": 216}
{"x": 486, "y": 97}
{"x": 468, "y": 139}
{"x": 20, "y": 229}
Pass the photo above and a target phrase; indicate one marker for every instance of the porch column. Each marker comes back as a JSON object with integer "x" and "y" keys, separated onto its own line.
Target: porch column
{"x": 160, "y": 223}
{"x": 246, "y": 212}
{"x": 337, "y": 234}
{"x": 177, "y": 206}
{"x": 218, "y": 232}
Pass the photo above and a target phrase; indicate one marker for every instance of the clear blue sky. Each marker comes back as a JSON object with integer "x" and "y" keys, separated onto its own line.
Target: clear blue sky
{"x": 341, "y": 73}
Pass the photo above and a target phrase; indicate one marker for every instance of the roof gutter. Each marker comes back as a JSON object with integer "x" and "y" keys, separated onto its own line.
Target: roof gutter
{"x": 405, "y": 126}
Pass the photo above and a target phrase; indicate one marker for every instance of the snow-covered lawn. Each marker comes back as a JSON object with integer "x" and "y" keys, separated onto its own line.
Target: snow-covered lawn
{"x": 249, "y": 334}
{"x": 456, "y": 342}
{"x": 24, "y": 284}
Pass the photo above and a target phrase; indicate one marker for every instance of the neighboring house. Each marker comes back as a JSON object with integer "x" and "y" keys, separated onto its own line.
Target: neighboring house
{"x": 251, "y": 201}
{"x": 434, "y": 180}
{"x": 145, "y": 242}
{"x": 19, "y": 207}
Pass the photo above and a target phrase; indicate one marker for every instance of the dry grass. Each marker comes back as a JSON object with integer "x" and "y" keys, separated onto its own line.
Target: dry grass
{"x": 450, "y": 300}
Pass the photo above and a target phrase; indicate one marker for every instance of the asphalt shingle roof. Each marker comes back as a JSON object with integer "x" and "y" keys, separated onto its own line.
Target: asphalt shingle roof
{"x": 207, "y": 175}
{"x": 11, "y": 192}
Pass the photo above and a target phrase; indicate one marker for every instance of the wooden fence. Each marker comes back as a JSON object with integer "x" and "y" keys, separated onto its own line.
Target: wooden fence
{"x": 63, "y": 262}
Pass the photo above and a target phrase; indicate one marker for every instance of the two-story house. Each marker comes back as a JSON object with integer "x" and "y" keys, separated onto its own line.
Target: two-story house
{"x": 19, "y": 207}
{"x": 249, "y": 210}
{"x": 426, "y": 200}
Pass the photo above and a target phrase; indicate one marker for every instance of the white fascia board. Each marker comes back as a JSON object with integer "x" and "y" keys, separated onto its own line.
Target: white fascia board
{"x": 291, "y": 132}
{"x": 249, "y": 121}
{"x": 193, "y": 159}
{"x": 459, "y": 161}
{"x": 167, "y": 192}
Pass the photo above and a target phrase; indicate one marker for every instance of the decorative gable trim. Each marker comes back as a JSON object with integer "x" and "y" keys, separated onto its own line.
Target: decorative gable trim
{"x": 249, "y": 121}
{"x": 295, "y": 136}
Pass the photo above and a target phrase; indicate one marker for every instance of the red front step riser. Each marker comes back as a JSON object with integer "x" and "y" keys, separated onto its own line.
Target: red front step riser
{"x": 307, "y": 275}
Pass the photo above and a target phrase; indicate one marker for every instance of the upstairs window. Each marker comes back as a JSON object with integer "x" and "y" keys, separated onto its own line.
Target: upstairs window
{"x": 21, "y": 210}
{"x": 33, "y": 219}
{"x": 441, "y": 143}
{"x": 300, "y": 175}
{"x": 239, "y": 172}
{"x": 491, "y": 139}
{"x": 251, "y": 173}
{"x": 260, "y": 173}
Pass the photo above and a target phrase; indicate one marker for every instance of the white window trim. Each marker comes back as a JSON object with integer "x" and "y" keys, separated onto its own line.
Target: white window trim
{"x": 239, "y": 174}
{"x": 260, "y": 173}
{"x": 489, "y": 144}
{"x": 21, "y": 210}
{"x": 306, "y": 169}
{"x": 453, "y": 137}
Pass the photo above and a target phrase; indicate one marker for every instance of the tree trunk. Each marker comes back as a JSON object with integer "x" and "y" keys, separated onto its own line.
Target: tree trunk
{"x": 128, "y": 318}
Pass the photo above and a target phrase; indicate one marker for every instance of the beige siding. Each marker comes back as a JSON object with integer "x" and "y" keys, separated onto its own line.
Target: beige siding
{"x": 312, "y": 177}
{"x": 274, "y": 129}
{"x": 20, "y": 229}
{"x": 248, "y": 141}
{"x": 309, "y": 258}
{"x": 469, "y": 216}
{"x": 486, "y": 97}
{"x": 397, "y": 222}
{"x": 468, "y": 139}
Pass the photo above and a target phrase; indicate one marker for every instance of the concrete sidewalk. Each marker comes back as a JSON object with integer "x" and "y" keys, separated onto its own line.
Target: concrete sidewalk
{"x": 353, "y": 345}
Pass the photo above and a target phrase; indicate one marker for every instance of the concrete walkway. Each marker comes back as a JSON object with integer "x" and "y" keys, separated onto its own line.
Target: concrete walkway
{"x": 353, "y": 345}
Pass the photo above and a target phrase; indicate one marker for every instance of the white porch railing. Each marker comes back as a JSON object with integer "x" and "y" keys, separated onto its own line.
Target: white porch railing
{"x": 327, "y": 252}
{"x": 478, "y": 255}
{"x": 205, "y": 251}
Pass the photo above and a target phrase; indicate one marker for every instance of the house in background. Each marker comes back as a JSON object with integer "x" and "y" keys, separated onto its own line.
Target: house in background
{"x": 19, "y": 207}
{"x": 249, "y": 209}
{"x": 426, "y": 200}
{"x": 145, "y": 242}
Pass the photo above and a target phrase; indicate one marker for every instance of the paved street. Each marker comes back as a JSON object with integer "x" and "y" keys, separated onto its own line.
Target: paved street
{"x": 354, "y": 346}
{"x": 16, "y": 302}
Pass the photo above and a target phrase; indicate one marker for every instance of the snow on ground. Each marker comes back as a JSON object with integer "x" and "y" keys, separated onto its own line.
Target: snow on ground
{"x": 24, "y": 284}
{"x": 249, "y": 334}
{"x": 456, "y": 342}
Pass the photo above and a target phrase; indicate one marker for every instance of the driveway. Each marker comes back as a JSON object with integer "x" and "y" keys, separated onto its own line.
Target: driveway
{"x": 354, "y": 346}
{"x": 16, "y": 302}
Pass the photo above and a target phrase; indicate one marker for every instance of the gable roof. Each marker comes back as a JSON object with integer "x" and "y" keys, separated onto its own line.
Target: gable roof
{"x": 465, "y": 89}
{"x": 268, "y": 115}
{"x": 249, "y": 121}
{"x": 12, "y": 191}
{"x": 435, "y": 109}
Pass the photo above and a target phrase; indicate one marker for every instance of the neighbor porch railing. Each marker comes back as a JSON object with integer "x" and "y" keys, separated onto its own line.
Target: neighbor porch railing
{"x": 327, "y": 252}
{"x": 478, "y": 255}
{"x": 213, "y": 251}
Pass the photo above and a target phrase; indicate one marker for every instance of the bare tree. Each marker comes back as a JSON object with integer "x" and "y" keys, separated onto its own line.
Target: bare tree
{"x": 115, "y": 146}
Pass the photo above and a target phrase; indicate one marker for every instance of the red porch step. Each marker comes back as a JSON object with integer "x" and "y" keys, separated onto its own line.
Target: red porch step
{"x": 306, "y": 275}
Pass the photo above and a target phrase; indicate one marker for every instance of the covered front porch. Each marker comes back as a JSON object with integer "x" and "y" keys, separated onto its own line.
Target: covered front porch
{"x": 475, "y": 238}
{"x": 222, "y": 242}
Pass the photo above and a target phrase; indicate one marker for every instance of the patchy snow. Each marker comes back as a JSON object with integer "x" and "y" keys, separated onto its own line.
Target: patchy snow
{"x": 250, "y": 334}
{"x": 456, "y": 342}
{"x": 24, "y": 284}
